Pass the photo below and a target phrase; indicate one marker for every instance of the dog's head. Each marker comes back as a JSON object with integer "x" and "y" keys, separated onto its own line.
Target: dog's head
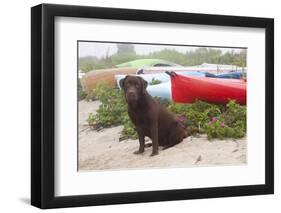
{"x": 134, "y": 88}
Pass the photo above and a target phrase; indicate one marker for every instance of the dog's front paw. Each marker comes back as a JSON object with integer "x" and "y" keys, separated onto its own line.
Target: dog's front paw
{"x": 138, "y": 152}
{"x": 153, "y": 154}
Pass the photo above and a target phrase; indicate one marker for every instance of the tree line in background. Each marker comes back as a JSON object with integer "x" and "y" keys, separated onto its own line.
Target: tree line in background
{"x": 126, "y": 52}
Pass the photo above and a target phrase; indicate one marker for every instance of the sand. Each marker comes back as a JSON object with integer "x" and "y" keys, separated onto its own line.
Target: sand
{"x": 100, "y": 150}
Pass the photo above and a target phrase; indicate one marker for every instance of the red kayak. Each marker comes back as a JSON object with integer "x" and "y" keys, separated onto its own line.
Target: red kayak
{"x": 187, "y": 89}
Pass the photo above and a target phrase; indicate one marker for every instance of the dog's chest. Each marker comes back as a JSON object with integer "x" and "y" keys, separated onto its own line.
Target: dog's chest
{"x": 141, "y": 118}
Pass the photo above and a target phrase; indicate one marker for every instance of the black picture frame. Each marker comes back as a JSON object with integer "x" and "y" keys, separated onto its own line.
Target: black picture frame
{"x": 43, "y": 102}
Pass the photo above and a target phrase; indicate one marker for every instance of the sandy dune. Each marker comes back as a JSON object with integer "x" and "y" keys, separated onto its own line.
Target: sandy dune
{"x": 102, "y": 150}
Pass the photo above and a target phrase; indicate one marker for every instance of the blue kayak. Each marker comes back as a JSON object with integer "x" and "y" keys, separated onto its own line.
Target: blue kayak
{"x": 231, "y": 75}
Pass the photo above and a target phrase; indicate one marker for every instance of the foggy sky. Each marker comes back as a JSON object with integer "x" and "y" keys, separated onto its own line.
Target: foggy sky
{"x": 100, "y": 49}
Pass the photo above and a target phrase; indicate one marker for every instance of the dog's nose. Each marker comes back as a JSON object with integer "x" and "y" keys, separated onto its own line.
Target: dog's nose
{"x": 131, "y": 93}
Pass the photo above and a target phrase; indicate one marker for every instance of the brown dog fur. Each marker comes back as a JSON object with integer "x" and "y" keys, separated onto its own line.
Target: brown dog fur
{"x": 149, "y": 117}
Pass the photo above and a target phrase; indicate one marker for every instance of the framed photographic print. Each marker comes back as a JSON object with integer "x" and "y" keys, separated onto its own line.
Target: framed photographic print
{"x": 139, "y": 106}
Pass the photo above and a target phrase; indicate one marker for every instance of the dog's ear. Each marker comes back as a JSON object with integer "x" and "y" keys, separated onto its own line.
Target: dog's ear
{"x": 144, "y": 84}
{"x": 122, "y": 83}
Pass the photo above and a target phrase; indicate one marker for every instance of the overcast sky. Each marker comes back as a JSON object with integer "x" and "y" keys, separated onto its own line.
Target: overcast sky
{"x": 100, "y": 49}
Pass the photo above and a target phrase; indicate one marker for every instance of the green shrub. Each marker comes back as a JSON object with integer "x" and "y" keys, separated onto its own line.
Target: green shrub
{"x": 128, "y": 129}
{"x": 90, "y": 96}
{"x": 155, "y": 81}
{"x": 235, "y": 114}
{"x": 230, "y": 124}
{"x": 162, "y": 101}
{"x": 81, "y": 93}
{"x": 91, "y": 119}
{"x": 217, "y": 121}
{"x": 195, "y": 114}
{"x": 112, "y": 109}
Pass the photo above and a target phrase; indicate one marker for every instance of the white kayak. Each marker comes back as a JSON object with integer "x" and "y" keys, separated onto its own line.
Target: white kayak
{"x": 163, "y": 77}
{"x": 162, "y": 90}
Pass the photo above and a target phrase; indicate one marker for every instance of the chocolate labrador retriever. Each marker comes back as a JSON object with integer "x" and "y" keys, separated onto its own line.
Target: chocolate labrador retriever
{"x": 149, "y": 117}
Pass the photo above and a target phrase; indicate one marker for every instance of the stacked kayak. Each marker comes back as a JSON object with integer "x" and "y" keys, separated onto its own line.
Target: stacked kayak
{"x": 214, "y": 70}
{"x": 187, "y": 89}
{"x": 189, "y": 86}
{"x": 163, "y": 77}
{"x": 233, "y": 75}
{"x": 162, "y": 90}
{"x": 148, "y": 62}
{"x": 90, "y": 79}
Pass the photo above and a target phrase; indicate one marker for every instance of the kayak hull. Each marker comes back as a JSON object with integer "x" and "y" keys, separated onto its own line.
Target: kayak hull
{"x": 163, "y": 77}
{"x": 162, "y": 90}
{"x": 90, "y": 79}
{"x": 153, "y": 70}
{"x": 187, "y": 89}
{"x": 233, "y": 75}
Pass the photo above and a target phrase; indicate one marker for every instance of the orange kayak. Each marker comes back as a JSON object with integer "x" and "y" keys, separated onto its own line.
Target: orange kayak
{"x": 90, "y": 79}
{"x": 187, "y": 89}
